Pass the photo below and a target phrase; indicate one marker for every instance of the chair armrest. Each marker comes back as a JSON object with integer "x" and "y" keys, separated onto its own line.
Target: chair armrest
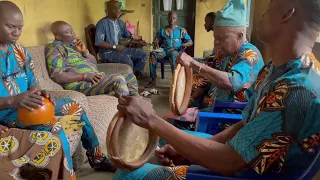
{"x": 219, "y": 106}
{"x": 196, "y": 172}
{"x": 114, "y": 68}
{"x": 204, "y": 119}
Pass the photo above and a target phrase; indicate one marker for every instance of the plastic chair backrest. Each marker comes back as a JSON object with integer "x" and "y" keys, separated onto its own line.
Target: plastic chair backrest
{"x": 213, "y": 123}
{"x": 212, "y": 126}
{"x": 219, "y": 106}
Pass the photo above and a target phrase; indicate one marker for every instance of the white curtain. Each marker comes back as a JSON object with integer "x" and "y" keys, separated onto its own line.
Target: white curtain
{"x": 167, "y": 5}
{"x": 179, "y": 4}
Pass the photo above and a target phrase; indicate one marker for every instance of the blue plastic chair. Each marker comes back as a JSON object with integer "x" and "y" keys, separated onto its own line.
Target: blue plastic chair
{"x": 206, "y": 122}
{"x": 211, "y": 123}
{"x": 162, "y": 62}
{"x": 166, "y": 60}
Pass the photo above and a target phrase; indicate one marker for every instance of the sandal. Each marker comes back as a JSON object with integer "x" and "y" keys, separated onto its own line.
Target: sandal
{"x": 154, "y": 91}
{"x": 146, "y": 94}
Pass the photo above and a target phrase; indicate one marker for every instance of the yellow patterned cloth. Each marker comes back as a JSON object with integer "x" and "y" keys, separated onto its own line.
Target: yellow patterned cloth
{"x": 39, "y": 152}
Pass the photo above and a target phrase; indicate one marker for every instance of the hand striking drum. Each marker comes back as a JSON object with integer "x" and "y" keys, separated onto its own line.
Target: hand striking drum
{"x": 130, "y": 146}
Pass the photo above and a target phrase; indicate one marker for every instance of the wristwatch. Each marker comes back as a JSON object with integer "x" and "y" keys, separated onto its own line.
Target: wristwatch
{"x": 114, "y": 47}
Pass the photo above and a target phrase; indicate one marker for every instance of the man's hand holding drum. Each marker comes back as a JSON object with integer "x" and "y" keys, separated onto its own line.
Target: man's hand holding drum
{"x": 139, "y": 110}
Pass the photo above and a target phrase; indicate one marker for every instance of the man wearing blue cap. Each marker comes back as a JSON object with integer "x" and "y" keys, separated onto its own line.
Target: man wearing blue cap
{"x": 281, "y": 124}
{"x": 235, "y": 67}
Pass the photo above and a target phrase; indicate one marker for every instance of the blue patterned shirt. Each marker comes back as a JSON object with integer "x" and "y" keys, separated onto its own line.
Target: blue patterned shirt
{"x": 17, "y": 75}
{"x": 282, "y": 119}
{"x": 16, "y": 71}
{"x": 242, "y": 68}
{"x": 111, "y": 32}
{"x": 168, "y": 39}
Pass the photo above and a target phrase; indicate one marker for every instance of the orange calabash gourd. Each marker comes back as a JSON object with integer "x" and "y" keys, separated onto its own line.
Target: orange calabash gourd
{"x": 38, "y": 116}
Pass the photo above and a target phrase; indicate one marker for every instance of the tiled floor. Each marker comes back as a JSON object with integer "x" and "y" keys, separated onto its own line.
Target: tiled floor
{"x": 161, "y": 106}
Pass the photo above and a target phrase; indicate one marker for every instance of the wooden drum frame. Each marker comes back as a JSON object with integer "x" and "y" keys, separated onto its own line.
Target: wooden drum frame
{"x": 180, "y": 92}
{"x": 129, "y": 146}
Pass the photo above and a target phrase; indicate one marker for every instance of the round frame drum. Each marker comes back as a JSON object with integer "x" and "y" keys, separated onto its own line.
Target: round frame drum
{"x": 181, "y": 87}
{"x": 129, "y": 146}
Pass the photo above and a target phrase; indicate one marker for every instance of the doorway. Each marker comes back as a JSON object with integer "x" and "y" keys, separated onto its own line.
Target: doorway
{"x": 186, "y": 18}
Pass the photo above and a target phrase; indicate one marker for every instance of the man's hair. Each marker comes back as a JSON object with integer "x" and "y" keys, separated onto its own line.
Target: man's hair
{"x": 311, "y": 12}
{"x": 212, "y": 15}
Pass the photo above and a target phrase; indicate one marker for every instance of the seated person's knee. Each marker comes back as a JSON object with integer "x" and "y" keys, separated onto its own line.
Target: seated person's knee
{"x": 120, "y": 79}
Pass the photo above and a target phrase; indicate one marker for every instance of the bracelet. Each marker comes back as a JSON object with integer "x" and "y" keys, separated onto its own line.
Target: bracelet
{"x": 200, "y": 68}
{"x": 82, "y": 76}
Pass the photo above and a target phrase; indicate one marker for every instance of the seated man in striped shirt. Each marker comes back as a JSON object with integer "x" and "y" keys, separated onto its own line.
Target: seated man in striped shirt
{"x": 70, "y": 64}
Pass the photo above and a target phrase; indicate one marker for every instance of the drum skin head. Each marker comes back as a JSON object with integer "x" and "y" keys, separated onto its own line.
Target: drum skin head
{"x": 129, "y": 146}
{"x": 180, "y": 92}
